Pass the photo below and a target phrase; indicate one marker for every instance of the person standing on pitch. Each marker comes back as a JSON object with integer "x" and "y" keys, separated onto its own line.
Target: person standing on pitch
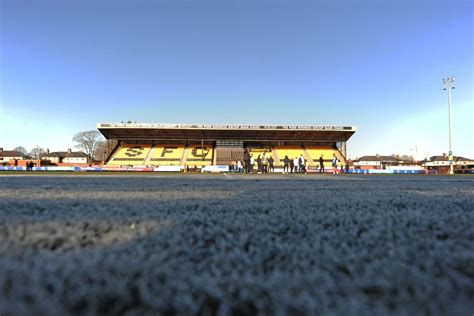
{"x": 301, "y": 163}
{"x": 270, "y": 164}
{"x": 247, "y": 161}
{"x": 334, "y": 164}
{"x": 259, "y": 164}
{"x": 321, "y": 164}
{"x": 264, "y": 164}
{"x": 296, "y": 164}
{"x": 239, "y": 166}
{"x": 286, "y": 162}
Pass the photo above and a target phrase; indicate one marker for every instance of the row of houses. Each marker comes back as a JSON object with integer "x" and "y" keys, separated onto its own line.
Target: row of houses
{"x": 69, "y": 157}
{"x": 439, "y": 163}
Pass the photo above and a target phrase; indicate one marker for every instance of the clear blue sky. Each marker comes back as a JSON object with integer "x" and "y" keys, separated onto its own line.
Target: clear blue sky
{"x": 378, "y": 65}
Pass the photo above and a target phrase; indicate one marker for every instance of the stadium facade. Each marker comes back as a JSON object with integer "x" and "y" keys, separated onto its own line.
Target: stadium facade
{"x": 198, "y": 145}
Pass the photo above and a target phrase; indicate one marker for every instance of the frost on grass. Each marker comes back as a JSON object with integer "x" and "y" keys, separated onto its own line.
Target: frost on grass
{"x": 235, "y": 245}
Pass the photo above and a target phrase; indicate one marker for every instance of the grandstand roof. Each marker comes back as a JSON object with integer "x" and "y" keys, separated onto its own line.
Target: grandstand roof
{"x": 211, "y": 132}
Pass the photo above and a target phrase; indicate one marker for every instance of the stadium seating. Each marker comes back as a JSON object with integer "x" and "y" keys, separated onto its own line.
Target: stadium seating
{"x": 198, "y": 156}
{"x": 291, "y": 151}
{"x": 130, "y": 154}
{"x": 166, "y": 155}
{"x": 316, "y": 152}
{"x": 195, "y": 155}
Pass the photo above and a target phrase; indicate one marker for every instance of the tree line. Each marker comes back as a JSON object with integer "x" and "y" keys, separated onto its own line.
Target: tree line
{"x": 92, "y": 143}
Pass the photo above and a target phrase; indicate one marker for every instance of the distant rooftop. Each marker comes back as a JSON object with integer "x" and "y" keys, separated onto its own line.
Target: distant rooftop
{"x": 65, "y": 154}
{"x": 379, "y": 158}
{"x": 12, "y": 153}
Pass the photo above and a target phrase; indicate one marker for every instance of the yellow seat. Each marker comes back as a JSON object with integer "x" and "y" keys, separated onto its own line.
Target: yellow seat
{"x": 291, "y": 151}
{"x": 167, "y": 155}
{"x": 199, "y": 156}
{"x": 130, "y": 154}
{"x": 316, "y": 152}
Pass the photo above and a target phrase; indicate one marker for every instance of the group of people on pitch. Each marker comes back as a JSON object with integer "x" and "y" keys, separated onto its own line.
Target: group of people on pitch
{"x": 265, "y": 164}
{"x": 29, "y": 166}
{"x": 296, "y": 165}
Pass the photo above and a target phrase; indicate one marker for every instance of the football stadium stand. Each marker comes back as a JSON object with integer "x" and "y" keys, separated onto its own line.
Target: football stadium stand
{"x": 143, "y": 144}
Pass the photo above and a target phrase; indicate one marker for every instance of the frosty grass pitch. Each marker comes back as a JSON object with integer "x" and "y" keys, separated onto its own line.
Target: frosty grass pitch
{"x": 236, "y": 245}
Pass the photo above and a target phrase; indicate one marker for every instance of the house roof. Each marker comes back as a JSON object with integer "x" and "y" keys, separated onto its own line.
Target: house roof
{"x": 445, "y": 158}
{"x": 65, "y": 154}
{"x": 379, "y": 158}
{"x": 13, "y": 153}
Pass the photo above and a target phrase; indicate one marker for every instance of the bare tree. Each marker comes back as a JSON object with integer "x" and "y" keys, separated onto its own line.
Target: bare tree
{"x": 104, "y": 149}
{"x": 37, "y": 152}
{"x": 407, "y": 158}
{"x": 21, "y": 149}
{"x": 88, "y": 141}
{"x": 100, "y": 151}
